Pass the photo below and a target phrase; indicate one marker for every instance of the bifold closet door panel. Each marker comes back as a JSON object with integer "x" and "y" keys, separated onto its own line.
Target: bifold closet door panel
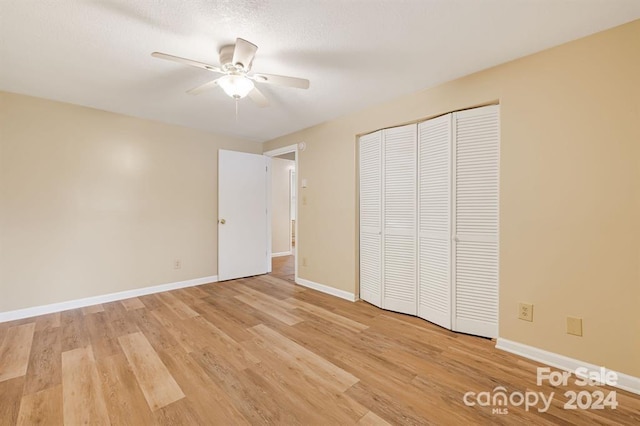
{"x": 370, "y": 149}
{"x": 476, "y": 160}
{"x": 434, "y": 220}
{"x": 399, "y": 289}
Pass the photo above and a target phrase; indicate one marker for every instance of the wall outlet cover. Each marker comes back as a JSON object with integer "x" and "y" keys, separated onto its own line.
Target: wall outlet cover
{"x": 525, "y": 311}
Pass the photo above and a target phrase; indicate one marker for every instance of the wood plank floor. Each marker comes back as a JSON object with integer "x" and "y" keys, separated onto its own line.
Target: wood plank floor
{"x": 261, "y": 351}
{"x": 283, "y": 267}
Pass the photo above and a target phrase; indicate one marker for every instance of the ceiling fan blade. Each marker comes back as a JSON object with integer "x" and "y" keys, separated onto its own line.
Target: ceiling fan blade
{"x": 203, "y": 88}
{"x": 187, "y": 62}
{"x": 282, "y": 80}
{"x": 244, "y": 53}
{"x": 256, "y": 96}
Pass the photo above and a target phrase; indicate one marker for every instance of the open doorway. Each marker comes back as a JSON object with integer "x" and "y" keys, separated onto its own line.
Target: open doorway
{"x": 283, "y": 212}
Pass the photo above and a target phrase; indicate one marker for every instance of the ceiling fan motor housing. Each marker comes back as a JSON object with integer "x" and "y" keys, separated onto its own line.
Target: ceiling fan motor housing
{"x": 226, "y": 60}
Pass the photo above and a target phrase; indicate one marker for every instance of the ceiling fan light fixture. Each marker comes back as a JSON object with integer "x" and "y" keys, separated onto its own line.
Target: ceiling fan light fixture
{"x": 236, "y": 86}
{"x": 235, "y": 63}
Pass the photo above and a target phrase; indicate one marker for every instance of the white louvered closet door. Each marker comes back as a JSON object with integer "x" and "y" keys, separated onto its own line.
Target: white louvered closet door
{"x": 475, "y": 254}
{"x": 371, "y": 218}
{"x": 399, "y": 289}
{"x": 434, "y": 220}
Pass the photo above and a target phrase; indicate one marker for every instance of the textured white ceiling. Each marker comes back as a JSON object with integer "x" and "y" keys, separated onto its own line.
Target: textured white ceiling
{"x": 355, "y": 52}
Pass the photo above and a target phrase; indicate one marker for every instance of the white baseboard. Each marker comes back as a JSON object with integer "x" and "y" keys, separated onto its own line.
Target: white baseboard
{"x": 282, "y": 253}
{"x": 326, "y": 289}
{"x": 94, "y": 300}
{"x": 625, "y": 381}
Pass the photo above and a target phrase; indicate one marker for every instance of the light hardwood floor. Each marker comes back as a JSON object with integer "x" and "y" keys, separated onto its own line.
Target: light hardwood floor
{"x": 283, "y": 267}
{"x": 260, "y": 351}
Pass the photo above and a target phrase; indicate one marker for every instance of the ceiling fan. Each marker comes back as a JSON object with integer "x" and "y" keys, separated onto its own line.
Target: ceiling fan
{"x": 235, "y": 64}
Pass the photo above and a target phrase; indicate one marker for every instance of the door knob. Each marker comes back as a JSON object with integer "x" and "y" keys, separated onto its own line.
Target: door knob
{"x": 222, "y": 221}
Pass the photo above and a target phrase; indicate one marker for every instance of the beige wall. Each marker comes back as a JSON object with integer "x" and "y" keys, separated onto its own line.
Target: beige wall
{"x": 93, "y": 202}
{"x": 280, "y": 205}
{"x": 570, "y": 191}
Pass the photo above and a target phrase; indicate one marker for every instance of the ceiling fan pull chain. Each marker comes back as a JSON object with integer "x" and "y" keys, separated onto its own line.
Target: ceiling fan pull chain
{"x": 236, "y": 110}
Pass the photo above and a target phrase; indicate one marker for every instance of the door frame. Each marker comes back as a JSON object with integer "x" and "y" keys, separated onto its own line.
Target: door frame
{"x": 274, "y": 153}
{"x": 292, "y": 204}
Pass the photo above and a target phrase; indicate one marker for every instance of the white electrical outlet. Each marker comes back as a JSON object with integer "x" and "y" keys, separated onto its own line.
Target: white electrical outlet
{"x": 177, "y": 264}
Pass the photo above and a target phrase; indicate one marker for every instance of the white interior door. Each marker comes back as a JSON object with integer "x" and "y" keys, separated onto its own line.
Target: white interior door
{"x": 242, "y": 214}
{"x": 399, "y": 230}
{"x": 476, "y": 144}
{"x": 371, "y": 218}
{"x": 434, "y": 220}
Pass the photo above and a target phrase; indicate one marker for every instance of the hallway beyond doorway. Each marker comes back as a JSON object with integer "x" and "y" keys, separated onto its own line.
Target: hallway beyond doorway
{"x": 283, "y": 267}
